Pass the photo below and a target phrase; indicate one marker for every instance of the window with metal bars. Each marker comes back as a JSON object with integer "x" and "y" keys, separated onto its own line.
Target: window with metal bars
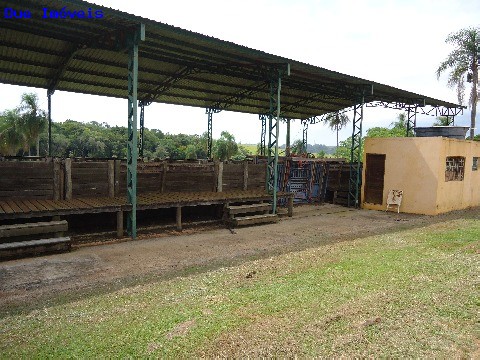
{"x": 455, "y": 168}
{"x": 475, "y": 163}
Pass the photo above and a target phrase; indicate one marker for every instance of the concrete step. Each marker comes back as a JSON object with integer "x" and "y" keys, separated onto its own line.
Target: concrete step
{"x": 243, "y": 209}
{"x": 19, "y": 249}
{"x": 33, "y": 228}
{"x": 255, "y": 219}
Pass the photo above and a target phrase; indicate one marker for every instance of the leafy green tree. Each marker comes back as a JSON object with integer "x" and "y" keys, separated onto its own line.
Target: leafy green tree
{"x": 160, "y": 152}
{"x": 344, "y": 149}
{"x": 11, "y": 138}
{"x": 337, "y": 121}
{"x": 242, "y": 154}
{"x": 463, "y": 65}
{"x": 225, "y": 147}
{"x": 297, "y": 147}
{"x": 441, "y": 121}
{"x": 397, "y": 128}
{"x": 322, "y": 154}
{"x": 191, "y": 152}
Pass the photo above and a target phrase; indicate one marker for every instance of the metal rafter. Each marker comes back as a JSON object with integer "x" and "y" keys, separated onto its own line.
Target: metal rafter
{"x": 421, "y": 108}
{"x": 61, "y": 68}
{"x": 167, "y": 84}
{"x": 234, "y": 98}
{"x": 356, "y": 155}
{"x": 132, "y": 151}
{"x": 326, "y": 95}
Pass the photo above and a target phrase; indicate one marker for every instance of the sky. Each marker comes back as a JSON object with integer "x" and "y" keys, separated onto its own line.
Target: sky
{"x": 394, "y": 42}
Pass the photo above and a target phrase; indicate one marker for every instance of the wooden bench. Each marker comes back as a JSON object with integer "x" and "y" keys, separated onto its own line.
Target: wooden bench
{"x": 10, "y": 250}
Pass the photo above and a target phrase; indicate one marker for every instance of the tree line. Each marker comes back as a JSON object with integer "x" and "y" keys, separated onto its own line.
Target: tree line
{"x": 24, "y": 131}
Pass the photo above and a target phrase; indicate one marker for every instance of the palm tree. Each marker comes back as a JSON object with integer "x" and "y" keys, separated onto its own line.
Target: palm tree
{"x": 337, "y": 121}
{"x": 32, "y": 121}
{"x": 463, "y": 65}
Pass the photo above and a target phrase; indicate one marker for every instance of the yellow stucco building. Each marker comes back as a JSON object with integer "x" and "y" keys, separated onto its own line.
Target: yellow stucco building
{"x": 436, "y": 174}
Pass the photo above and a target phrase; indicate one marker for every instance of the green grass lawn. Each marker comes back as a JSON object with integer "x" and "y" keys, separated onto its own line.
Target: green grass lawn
{"x": 407, "y": 294}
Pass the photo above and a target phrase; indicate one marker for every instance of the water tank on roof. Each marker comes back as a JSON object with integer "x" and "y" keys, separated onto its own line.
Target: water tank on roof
{"x": 453, "y": 132}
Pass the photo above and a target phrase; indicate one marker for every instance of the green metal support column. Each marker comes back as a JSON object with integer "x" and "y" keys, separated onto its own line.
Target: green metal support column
{"x": 273, "y": 132}
{"x": 132, "y": 150}
{"x": 142, "y": 128}
{"x": 411, "y": 120}
{"x": 49, "y": 96}
{"x": 210, "y": 112}
{"x": 305, "y": 137}
{"x": 287, "y": 140}
{"x": 356, "y": 156}
{"x": 263, "y": 119}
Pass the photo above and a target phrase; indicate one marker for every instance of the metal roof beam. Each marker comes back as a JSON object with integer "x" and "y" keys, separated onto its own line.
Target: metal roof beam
{"x": 61, "y": 68}
{"x": 234, "y": 98}
{"x": 316, "y": 97}
{"x": 183, "y": 73}
{"x": 420, "y": 109}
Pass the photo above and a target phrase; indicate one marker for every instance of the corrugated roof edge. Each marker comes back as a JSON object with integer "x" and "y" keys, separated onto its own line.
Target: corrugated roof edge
{"x": 245, "y": 49}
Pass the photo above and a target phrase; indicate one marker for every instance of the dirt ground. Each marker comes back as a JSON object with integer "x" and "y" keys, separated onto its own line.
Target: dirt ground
{"x": 36, "y": 282}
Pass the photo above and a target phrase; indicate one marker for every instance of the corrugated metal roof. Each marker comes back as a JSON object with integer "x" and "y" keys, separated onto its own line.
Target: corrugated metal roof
{"x": 176, "y": 66}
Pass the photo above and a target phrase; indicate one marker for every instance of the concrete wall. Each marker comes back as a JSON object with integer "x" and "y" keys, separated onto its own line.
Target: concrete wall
{"x": 454, "y": 195}
{"x": 417, "y": 166}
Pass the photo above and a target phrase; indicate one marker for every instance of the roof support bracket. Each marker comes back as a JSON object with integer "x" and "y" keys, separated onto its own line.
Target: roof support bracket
{"x": 61, "y": 68}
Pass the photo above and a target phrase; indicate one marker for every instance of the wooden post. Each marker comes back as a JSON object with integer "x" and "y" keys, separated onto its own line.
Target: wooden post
{"x": 68, "y": 179}
{"x": 215, "y": 176}
{"x": 290, "y": 205}
{"x": 164, "y": 177}
{"x": 62, "y": 180}
{"x": 57, "y": 191}
{"x": 119, "y": 223}
{"x": 220, "y": 177}
{"x": 179, "y": 218}
{"x": 245, "y": 175}
{"x": 111, "y": 178}
{"x": 117, "y": 177}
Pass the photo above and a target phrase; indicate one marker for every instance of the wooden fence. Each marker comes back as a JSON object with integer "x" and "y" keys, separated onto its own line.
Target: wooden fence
{"x": 73, "y": 178}
{"x": 70, "y": 178}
